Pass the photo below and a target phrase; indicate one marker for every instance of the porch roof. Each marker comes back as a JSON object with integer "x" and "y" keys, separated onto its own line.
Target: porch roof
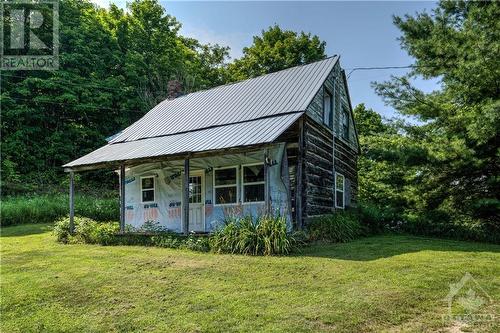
{"x": 248, "y": 133}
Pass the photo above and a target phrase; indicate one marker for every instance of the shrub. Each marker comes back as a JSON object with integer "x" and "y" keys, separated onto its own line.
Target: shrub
{"x": 86, "y": 231}
{"x": 266, "y": 235}
{"x": 376, "y": 220}
{"x": 106, "y": 233}
{"x": 338, "y": 227}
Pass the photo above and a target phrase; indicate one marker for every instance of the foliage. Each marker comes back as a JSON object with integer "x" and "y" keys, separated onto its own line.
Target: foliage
{"x": 457, "y": 172}
{"x": 267, "y": 235}
{"x": 338, "y": 228}
{"x": 47, "y": 208}
{"x": 439, "y": 176}
{"x": 115, "y": 65}
{"x": 86, "y": 231}
{"x": 376, "y": 220}
{"x": 89, "y": 231}
{"x": 277, "y": 49}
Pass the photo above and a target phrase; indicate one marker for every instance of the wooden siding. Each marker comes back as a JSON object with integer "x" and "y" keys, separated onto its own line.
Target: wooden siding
{"x": 336, "y": 85}
{"x": 318, "y": 195}
{"x": 319, "y": 185}
{"x": 346, "y": 163}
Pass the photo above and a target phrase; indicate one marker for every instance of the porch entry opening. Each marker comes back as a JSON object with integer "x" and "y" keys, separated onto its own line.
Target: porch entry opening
{"x": 196, "y": 201}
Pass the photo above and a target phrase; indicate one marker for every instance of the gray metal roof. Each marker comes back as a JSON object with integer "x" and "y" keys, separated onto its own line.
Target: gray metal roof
{"x": 245, "y": 113}
{"x": 272, "y": 94}
{"x": 248, "y": 133}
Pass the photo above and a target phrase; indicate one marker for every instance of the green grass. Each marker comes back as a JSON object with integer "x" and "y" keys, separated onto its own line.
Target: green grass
{"x": 383, "y": 283}
{"x": 45, "y": 208}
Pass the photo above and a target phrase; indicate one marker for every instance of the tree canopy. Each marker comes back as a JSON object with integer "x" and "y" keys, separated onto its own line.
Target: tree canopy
{"x": 114, "y": 66}
{"x": 452, "y": 174}
{"x": 277, "y": 49}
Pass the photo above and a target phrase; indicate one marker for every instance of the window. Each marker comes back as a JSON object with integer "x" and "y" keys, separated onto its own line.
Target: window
{"x": 225, "y": 186}
{"x": 195, "y": 190}
{"x": 253, "y": 183}
{"x": 345, "y": 124}
{"x": 339, "y": 190}
{"x": 148, "y": 189}
{"x": 327, "y": 108}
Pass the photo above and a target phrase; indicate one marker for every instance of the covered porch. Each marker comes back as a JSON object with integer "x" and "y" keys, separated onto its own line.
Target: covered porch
{"x": 190, "y": 182}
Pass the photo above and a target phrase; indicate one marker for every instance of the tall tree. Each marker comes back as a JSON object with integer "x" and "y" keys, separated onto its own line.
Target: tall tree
{"x": 277, "y": 49}
{"x": 459, "y": 43}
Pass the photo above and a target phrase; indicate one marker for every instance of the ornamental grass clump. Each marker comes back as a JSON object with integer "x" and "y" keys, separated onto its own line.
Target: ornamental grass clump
{"x": 266, "y": 235}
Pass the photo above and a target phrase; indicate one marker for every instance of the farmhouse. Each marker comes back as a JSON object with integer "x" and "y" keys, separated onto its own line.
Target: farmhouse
{"x": 282, "y": 143}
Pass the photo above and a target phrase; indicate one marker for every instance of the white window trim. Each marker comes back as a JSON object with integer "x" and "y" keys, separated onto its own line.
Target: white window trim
{"x": 222, "y": 186}
{"x": 148, "y": 189}
{"x": 343, "y": 190}
{"x": 251, "y": 183}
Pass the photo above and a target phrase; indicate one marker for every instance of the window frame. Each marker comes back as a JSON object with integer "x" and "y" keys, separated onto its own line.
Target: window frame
{"x": 243, "y": 184}
{"x": 345, "y": 127}
{"x": 148, "y": 189}
{"x": 343, "y": 190}
{"x": 222, "y": 186}
{"x": 330, "y": 117}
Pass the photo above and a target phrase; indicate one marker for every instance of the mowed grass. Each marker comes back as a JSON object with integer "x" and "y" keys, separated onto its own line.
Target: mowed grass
{"x": 384, "y": 283}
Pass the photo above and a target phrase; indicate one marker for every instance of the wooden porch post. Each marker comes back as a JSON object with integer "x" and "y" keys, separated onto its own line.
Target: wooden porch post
{"x": 185, "y": 198}
{"x": 71, "y": 202}
{"x": 122, "y": 198}
{"x": 300, "y": 165}
{"x": 266, "y": 184}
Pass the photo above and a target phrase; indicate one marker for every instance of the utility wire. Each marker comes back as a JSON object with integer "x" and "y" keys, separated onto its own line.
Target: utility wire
{"x": 376, "y": 68}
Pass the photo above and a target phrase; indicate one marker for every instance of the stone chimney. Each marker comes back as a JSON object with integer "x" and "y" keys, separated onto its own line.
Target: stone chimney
{"x": 174, "y": 89}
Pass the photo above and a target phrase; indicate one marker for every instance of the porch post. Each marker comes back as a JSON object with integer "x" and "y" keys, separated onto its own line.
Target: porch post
{"x": 122, "y": 198}
{"x": 71, "y": 202}
{"x": 266, "y": 184}
{"x": 185, "y": 198}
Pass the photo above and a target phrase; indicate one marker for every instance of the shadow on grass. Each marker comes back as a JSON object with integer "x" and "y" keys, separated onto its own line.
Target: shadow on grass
{"x": 385, "y": 246}
{"x": 25, "y": 229}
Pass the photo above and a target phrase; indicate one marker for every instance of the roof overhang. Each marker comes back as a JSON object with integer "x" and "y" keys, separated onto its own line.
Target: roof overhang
{"x": 224, "y": 139}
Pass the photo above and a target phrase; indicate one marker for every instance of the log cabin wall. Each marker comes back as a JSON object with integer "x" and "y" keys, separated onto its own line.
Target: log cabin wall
{"x": 319, "y": 146}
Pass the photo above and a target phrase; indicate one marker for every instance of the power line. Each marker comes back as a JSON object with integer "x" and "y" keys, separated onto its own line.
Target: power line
{"x": 376, "y": 68}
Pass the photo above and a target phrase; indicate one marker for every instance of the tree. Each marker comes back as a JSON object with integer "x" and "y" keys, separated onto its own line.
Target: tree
{"x": 277, "y": 49}
{"x": 114, "y": 66}
{"x": 459, "y": 42}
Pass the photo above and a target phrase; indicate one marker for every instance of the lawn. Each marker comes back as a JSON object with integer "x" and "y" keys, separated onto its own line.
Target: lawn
{"x": 384, "y": 283}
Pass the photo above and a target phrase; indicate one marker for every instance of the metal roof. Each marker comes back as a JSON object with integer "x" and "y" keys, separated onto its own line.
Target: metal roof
{"x": 285, "y": 91}
{"x": 247, "y": 133}
{"x": 245, "y": 113}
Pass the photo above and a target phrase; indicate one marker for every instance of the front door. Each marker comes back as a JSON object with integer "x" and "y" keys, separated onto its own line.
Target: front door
{"x": 196, "y": 202}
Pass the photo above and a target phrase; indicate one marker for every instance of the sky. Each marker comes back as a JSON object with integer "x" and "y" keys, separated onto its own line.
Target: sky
{"x": 361, "y": 32}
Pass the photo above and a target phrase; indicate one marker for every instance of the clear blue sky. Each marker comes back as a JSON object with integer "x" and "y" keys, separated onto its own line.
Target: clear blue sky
{"x": 362, "y": 33}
